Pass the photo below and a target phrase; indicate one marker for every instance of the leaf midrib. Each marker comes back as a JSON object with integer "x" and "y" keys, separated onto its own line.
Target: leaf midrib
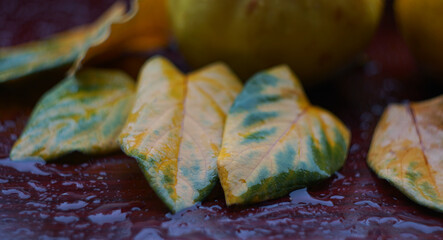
{"x": 417, "y": 130}
{"x": 297, "y": 117}
{"x": 185, "y": 96}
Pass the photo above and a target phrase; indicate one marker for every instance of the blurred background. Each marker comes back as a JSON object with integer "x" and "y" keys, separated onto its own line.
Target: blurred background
{"x": 385, "y": 72}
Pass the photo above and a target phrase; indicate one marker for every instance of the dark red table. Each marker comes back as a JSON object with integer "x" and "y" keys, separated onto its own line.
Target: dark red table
{"x": 107, "y": 197}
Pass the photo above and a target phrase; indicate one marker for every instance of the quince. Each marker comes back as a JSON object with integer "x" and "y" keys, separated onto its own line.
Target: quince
{"x": 421, "y": 23}
{"x": 315, "y": 38}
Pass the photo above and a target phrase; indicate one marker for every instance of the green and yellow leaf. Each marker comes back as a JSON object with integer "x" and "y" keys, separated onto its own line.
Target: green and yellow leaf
{"x": 175, "y": 128}
{"x": 407, "y": 150}
{"x": 144, "y": 27}
{"x": 275, "y": 141}
{"x": 84, "y": 113}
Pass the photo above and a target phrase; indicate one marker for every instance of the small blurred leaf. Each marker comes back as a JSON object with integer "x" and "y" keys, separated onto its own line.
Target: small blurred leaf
{"x": 175, "y": 128}
{"x": 144, "y": 27}
{"x": 84, "y": 113}
{"x": 274, "y": 140}
{"x": 407, "y": 150}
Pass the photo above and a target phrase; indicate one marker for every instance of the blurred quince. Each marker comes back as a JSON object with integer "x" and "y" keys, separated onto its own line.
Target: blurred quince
{"x": 421, "y": 23}
{"x": 315, "y": 38}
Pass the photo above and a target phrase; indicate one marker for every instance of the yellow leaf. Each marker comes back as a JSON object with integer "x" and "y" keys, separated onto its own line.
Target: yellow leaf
{"x": 275, "y": 141}
{"x": 84, "y": 113}
{"x": 144, "y": 27}
{"x": 407, "y": 150}
{"x": 175, "y": 128}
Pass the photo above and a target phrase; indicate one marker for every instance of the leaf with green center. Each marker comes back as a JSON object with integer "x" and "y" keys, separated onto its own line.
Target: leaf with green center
{"x": 407, "y": 150}
{"x": 143, "y": 27}
{"x": 175, "y": 128}
{"x": 274, "y": 140}
{"x": 84, "y": 113}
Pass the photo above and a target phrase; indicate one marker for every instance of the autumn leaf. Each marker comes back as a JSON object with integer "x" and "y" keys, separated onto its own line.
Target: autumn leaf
{"x": 84, "y": 113}
{"x": 144, "y": 27}
{"x": 175, "y": 128}
{"x": 407, "y": 150}
{"x": 275, "y": 141}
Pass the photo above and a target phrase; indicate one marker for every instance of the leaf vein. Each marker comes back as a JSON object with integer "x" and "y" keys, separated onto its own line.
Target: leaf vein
{"x": 297, "y": 117}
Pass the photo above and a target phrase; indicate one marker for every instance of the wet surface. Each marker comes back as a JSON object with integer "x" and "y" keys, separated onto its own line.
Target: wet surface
{"x": 107, "y": 197}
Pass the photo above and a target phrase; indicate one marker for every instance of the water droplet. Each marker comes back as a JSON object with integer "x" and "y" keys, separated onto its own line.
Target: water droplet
{"x": 368, "y": 203}
{"x": 25, "y": 166}
{"x": 36, "y": 204}
{"x": 65, "y": 206}
{"x": 77, "y": 184}
{"x": 354, "y": 148}
{"x": 302, "y": 197}
{"x": 21, "y": 194}
{"x": 418, "y": 226}
{"x": 66, "y": 219}
{"x": 336, "y": 197}
{"x": 148, "y": 233}
{"x": 371, "y": 68}
{"x": 101, "y": 218}
{"x": 36, "y": 187}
